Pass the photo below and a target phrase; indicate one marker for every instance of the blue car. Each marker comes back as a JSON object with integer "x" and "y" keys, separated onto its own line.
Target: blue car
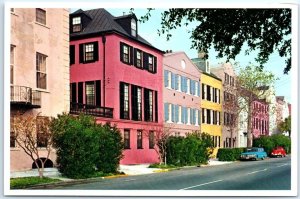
{"x": 254, "y": 153}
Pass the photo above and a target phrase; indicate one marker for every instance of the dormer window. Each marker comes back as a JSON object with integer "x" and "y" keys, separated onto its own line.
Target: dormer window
{"x": 76, "y": 24}
{"x": 133, "y": 27}
{"x": 207, "y": 66}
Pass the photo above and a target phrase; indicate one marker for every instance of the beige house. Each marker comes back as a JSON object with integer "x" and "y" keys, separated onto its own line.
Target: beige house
{"x": 230, "y": 135}
{"x": 39, "y": 69}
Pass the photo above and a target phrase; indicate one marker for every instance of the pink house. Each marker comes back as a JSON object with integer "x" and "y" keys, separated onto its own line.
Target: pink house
{"x": 181, "y": 94}
{"x": 260, "y": 118}
{"x": 116, "y": 75}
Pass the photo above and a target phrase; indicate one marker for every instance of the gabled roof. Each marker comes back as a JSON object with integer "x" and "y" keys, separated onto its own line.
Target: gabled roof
{"x": 200, "y": 63}
{"x": 103, "y": 22}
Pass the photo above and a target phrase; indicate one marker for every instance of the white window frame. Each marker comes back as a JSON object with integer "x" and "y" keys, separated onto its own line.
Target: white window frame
{"x": 179, "y": 115}
{"x": 188, "y": 85}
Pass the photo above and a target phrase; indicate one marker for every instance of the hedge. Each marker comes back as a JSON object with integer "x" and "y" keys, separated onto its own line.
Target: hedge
{"x": 80, "y": 144}
{"x": 229, "y": 154}
{"x": 270, "y": 142}
{"x": 193, "y": 149}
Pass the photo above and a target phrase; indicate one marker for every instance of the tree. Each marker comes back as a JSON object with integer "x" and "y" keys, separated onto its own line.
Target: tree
{"x": 227, "y": 30}
{"x": 252, "y": 83}
{"x": 285, "y": 126}
{"x": 160, "y": 137}
{"x": 31, "y": 133}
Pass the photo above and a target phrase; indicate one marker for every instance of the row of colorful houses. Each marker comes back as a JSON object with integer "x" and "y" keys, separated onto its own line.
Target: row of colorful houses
{"x": 94, "y": 63}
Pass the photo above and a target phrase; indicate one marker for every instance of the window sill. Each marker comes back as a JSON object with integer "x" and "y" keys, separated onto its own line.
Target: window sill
{"x": 15, "y": 149}
{"x": 127, "y": 149}
{"x": 42, "y": 90}
{"x": 140, "y": 148}
{"x": 42, "y": 24}
{"x": 13, "y": 13}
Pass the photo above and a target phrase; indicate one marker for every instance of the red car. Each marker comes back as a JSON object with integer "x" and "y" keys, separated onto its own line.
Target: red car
{"x": 278, "y": 152}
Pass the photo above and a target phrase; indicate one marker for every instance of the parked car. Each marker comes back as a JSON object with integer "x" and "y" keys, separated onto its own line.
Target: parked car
{"x": 253, "y": 153}
{"x": 278, "y": 152}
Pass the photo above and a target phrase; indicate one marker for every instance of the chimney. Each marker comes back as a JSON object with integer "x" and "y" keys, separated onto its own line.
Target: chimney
{"x": 201, "y": 54}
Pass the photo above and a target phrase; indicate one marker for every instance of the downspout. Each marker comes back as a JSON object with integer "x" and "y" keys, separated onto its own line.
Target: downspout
{"x": 104, "y": 80}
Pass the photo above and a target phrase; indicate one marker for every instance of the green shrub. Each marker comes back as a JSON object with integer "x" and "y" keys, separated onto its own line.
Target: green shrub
{"x": 76, "y": 143}
{"x": 84, "y": 148}
{"x": 229, "y": 154}
{"x": 193, "y": 149}
{"x": 110, "y": 149}
{"x": 270, "y": 142}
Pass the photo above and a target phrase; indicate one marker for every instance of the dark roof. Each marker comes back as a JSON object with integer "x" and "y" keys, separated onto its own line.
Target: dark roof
{"x": 200, "y": 63}
{"x": 102, "y": 22}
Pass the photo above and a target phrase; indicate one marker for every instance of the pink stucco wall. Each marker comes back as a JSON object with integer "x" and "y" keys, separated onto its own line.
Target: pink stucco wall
{"x": 116, "y": 71}
{"x": 172, "y": 63}
{"x": 260, "y": 113}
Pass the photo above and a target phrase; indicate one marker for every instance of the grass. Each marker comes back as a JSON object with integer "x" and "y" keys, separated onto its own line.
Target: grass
{"x": 21, "y": 183}
{"x": 162, "y": 166}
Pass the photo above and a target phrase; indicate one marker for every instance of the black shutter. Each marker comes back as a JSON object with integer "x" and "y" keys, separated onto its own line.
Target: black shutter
{"x": 146, "y": 105}
{"x": 134, "y": 57}
{"x": 73, "y": 93}
{"x": 121, "y": 100}
{"x": 131, "y": 55}
{"x": 134, "y": 108}
{"x": 203, "y": 91}
{"x": 121, "y": 52}
{"x": 96, "y": 51}
{"x": 80, "y": 92}
{"x": 155, "y": 65}
{"x": 81, "y": 60}
{"x": 98, "y": 93}
{"x": 72, "y": 54}
{"x": 156, "y": 106}
{"x": 145, "y": 61}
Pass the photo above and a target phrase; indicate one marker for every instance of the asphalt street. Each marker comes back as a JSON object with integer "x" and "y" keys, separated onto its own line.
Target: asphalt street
{"x": 268, "y": 174}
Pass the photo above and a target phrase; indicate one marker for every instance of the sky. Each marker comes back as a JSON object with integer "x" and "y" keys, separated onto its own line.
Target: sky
{"x": 180, "y": 41}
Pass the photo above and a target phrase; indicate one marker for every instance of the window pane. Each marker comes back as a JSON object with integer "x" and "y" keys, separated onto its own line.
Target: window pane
{"x": 126, "y": 139}
{"x": 139, "y": 140}
{"x": 90, "y": 93}
{"x": 41, "y": 80}
{"x": 41, "y": 16}
{"x": 76, "y": 20}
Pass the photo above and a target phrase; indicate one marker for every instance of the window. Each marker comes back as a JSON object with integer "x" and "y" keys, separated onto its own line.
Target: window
{"x": 203, "y": 91}
{"x": 88, "y": 52}
{"x": 72, "y": 54}
{"x": 203, "y": 116}
{"x": 126, "y": 139}
{"x": 152, "y": 64}
{"x": 41, "y": 16}
{"x": 208, "y": 116}
{"x": 172, "y": 80}
{"x": 176, "y": 82}
{"x": 139, "y": 139}
{"x": 12, "y": 63}
{"x": 41, "y": 76}
{"x": 73, "y": 95}
{"x": 42, "y": 131}
{"x": 151, "y": 140}
{"x": 133, "y": 27}
{"x": 208, "y": 89}
{"x": 188, "y": 86}
{"x": 12, "y": 139}
{"x": 124, "y": 101}
{"x": 90, "y": 93}
{"x": 148, "y": 103}
{"x": 166, "y": 111}
{"x": 76, "y": 24}
{"x": 166, "y": 78}
{"x": 136, "y": 101}
{"x": 138, "y": 58}
{"x": 126, "y": 53}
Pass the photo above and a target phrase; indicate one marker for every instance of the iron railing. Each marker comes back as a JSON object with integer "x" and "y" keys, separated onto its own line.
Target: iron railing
{"x": 78, "y": 108}
{"x": 24, "y": 95}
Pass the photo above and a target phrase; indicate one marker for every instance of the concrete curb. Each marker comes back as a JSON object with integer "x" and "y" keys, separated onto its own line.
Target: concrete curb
{"x": 72, "y": 182}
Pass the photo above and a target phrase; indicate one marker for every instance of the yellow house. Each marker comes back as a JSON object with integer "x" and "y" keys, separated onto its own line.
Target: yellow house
{"x": 211, "y": 103}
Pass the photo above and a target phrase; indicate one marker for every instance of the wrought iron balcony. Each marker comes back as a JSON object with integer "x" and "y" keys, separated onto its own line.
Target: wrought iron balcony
{"x": 98, "y": 111}
{"x": 25, "y": 97}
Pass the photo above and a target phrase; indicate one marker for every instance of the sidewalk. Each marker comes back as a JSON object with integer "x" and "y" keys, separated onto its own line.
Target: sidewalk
{"x": 139, "y": 169}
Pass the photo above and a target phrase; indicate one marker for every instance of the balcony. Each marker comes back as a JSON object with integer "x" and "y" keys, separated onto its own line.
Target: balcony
{"x": 24, "y": 97}
{"x": 98, "y": 111}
